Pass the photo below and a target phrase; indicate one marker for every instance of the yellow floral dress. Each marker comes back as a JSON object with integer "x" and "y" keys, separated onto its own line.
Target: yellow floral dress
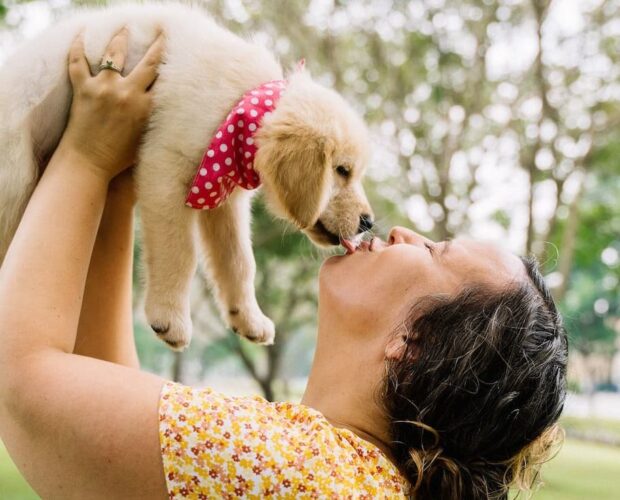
{"x": 214, "y": 446}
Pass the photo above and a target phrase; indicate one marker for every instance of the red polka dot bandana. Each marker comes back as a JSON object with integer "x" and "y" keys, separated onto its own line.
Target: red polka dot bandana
{"x": 229, "y": 160}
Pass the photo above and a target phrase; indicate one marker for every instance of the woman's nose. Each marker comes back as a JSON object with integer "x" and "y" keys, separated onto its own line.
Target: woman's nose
{"x": 400, "y": 234}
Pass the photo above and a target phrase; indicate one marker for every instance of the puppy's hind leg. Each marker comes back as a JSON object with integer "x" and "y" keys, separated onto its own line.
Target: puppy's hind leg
{"x": 225, "y": 233}
{"x": 18, "y": 176}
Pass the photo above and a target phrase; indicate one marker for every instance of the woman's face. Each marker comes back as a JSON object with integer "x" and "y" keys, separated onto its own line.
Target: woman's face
{"x": 363, "y": 290}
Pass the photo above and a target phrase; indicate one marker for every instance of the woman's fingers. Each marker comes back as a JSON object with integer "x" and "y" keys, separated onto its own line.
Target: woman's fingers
{"x": 116, "y": 52}
{"x": 79, "y": 70}
{"x": 145, "y": 73}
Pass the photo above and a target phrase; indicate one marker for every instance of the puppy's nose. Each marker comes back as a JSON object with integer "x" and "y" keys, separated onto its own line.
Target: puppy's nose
{"x": 365, "y": 223}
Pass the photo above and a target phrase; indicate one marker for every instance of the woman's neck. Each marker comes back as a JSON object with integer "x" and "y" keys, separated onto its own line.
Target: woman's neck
{"x": 343, "y": 385}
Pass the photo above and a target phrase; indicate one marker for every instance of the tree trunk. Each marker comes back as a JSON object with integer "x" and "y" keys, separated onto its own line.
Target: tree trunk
{"x": 529, "y": 242}
{"x": 177, "y": 367}
{"x": 267, "y": 388}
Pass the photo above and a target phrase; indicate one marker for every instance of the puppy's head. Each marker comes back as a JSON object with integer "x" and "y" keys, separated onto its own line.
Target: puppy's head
{"x": 312, "y": 153}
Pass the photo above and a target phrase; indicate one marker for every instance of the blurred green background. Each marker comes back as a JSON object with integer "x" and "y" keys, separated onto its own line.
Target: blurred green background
{"x": 496, "y": 119}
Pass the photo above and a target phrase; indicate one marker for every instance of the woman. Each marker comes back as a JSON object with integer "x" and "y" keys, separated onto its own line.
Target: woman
{"x": 439, "y": 370}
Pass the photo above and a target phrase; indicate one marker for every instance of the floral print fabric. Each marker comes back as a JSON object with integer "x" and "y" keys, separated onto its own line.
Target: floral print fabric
{"x": 214, "y": 446}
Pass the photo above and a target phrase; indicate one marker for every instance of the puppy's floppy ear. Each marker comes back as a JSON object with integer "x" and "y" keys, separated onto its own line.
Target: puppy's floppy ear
{"x": 296, "y": 169}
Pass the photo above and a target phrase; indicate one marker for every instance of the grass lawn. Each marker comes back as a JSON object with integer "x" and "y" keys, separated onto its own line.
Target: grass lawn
{"x": 593, "y": 427}
{"x": 12, "y": 486}
{"x": 581, "y": 471}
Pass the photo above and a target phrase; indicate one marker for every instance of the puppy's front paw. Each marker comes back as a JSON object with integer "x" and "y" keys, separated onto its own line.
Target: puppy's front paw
{"x": 171, "y": 324}
{"x": 252, "y": 324}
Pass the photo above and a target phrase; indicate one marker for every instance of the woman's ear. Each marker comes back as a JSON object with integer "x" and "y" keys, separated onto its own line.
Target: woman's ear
{"x": 395, "y": 348}
{"x": 398, "y": 346}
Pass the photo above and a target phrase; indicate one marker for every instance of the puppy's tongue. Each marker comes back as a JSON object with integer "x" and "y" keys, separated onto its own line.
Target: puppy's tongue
{"x": 348, "y": 245}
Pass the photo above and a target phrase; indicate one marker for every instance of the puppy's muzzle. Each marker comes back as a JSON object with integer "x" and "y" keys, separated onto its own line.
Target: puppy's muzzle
{"x": 366, "y": 223}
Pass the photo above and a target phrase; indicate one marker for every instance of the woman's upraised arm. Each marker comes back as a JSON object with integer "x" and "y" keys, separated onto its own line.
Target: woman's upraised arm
{"x": 76, "y": 427}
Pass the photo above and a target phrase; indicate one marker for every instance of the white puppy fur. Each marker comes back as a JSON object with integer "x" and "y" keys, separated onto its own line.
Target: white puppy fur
{"x": 311, "y": 157}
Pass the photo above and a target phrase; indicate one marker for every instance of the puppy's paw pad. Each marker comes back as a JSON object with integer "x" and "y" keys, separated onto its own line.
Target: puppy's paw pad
{"x": 170, "y": 324}
{"x": 160, "y": 330}
{"x": 255, "y": 327}
{"x": 264, "y": 335}
{"x": 175, "y": 346}
{"x": 177, "y": 336}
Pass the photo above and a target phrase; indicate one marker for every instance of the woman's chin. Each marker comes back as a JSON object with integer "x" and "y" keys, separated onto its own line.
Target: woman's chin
{"x": 331, "y": 261}
{"x": 340, "y": 267}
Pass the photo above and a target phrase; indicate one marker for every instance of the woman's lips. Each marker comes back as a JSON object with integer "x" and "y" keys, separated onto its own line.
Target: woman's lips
{"x": 351, "y": 248}
{"x": 348, "y": 245}
{"x": 364, "y": 245}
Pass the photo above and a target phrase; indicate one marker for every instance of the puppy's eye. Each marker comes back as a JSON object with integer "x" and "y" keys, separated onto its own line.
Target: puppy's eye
{"x": 343, "y": 171}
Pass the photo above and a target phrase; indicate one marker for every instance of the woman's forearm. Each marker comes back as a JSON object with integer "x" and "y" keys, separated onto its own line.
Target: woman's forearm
{"x": 105, "y": 329}
{"x": 43, "y": 276}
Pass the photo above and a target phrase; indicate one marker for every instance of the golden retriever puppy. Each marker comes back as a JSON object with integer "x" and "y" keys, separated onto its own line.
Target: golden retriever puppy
{"x": 311, "y": 153}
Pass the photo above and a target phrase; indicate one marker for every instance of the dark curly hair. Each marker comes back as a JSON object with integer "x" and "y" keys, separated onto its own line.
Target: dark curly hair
{"x": 474, "y": 400}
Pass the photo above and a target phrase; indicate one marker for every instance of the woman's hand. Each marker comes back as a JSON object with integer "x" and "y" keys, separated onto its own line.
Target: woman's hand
{"x": 109, "y": 111}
